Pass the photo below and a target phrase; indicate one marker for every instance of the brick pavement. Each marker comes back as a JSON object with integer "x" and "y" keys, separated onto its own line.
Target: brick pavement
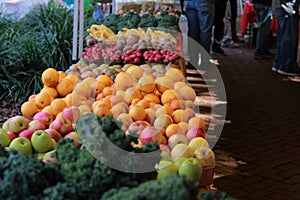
{"x": 258, "y": 151}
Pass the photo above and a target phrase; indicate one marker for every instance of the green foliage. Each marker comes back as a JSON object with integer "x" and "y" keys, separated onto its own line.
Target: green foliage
{"x": 214, "y": 196}
{"x": 24, "y": 177}
{"x": 170, "y": 188}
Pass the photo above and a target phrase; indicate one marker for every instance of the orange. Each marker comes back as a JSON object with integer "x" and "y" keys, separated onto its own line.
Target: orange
{"x": 147, "y": 84}
{"x": 73, "y": 78}
{"x": 144, "y": 103}
{"x": 106, "y": 102}
{"x": 102, "y": 110}
{"x": 175, "y": 74}
{"x": 165, "y": 109}
{"x": 135, "y": 101}
{"x": 97, "y": 87}
{"x": 164, "y": 83}
{"x": 42, "y": 100}
{"x": 173, "y": 129}
{"x": 105, "y": 79}
{"x": 188, "y": 93}
{"x": 137, "y": 113}
{"x": 176, "y": 104}
{"x": 179, "y": 116}
{"x": 196, "y": 122}
{"x": 152, "y": 98}
{"x": 168, "y": 96}
{"x": 132, "y": 93}
{"x": 50, "y": 110}
{"x": 100, "y": 96}
{"x": 84, "y": 109}
{"x": 150, "y": 115}
{"x": 50, "y": 90}
{"x": 61, "y": 75}
{"x": 58, "y": 104}
{"x": 189, "y": 104}
{"x": 50, "y": 77}
{"x": 83, "y": 89}
{"x": 183, "y": 127}
{"x": 65, "y": 87}
{"x": 123, "y": 81}
{"x": 31, "y": 97}
{"x": 190, "y": 112}
{"x": 163, "y": 121}
{"x": 135, "y": 71}
{"x": 29, "y": 108}
{"x": 108, "y": 91}
{"x": 72, "y": 99}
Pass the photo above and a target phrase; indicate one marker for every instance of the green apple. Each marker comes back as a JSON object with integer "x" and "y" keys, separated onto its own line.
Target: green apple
{"x": 53, "y": 143}
{"x": 48, "y": 155}
{"x": 179, "y": 161}
{"x": 165, "y": 168}
{"x": 4, "y": 138}
{"x": 5, "y": 125}
{"x": 191, "y": 169}
{"x": 18, "y": 124}
{"x": 205, "y": 156}
{"x": 41, "y": 141}
{"x": 181, "y": 150}
{"x": 40, "y": 155}
{"x": 22, "y": 145}
{"x": 198, "y": 142}
{"x": 165, "y": 156}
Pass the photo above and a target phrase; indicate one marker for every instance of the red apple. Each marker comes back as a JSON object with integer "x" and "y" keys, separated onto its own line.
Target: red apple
{"x": 151, "y": 134}
{"x": 71, "y": 113}
{"x": 26, "y": 133}
{"x": 54, "y": 134}
{"x": 36, "y": 125}
{"x": 137, "y": 126}
{"x": 44, "y": 117}
{"x": 12, "y": 135}
{"x": 62, "y": 125}
{"x": 195, "y": 132}
{"x": 74, "y": 136}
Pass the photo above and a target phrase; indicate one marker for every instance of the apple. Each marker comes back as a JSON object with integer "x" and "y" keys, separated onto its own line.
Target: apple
{"x": 197, "y": 143}
{"x": 12, "y": 135}
{"x": 26, "y": 134}
{"x": 205, "y": 155}
{"x": 36, "y": 125}
{"x": 41, "y": 141}
{"x": 71, "y": 113}
{"x": 18, "y": 124}
{"x": 164, "y": 147}
{"x": 151, "y": 134}
{"x": 165, "y": 156}
{"x": 73, "y": 136}
{"x": 50, "y": 160}
{"x": 177, "y": 138}
{"x": 181, "y": 150}
{"x": 195, "y": 132}
{"x": 4, "y": 138}
{"x": 22, "y": 145}
{"x": 40, "y": 156}
{"x": 165, "y": 168}
{"x": 5, "y": 125}
{"x": 53, "y": 143}
{"x": 44, "y": 117}
{"x": 62, "y": 125}
{"x": 48, "y": 154}
{"x": 179, "y": 161}
{"x": 54, "y": 134}
{"x": 191, "y": 169}
{"x": 137, "y": 127}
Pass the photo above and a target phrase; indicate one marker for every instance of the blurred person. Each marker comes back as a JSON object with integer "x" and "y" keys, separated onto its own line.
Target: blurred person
{"x": 285, "y": 62}
{"x": 263, "y": 14}
{"x": 200, "y": 14}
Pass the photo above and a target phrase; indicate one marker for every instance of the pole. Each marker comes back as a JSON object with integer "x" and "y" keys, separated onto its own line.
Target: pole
{"x": 75, "y": 30}
{"x": 81, "y": 28}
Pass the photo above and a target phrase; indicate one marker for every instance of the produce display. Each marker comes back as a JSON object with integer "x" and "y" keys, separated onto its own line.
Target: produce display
{"x": 132, "y": 81}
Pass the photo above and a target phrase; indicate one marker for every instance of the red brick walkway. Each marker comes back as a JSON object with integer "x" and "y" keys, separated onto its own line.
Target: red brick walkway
{"x": 258, "y": 153}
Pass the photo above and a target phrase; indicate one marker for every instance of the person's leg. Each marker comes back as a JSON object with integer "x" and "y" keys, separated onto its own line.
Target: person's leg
{"x": 233, "y": 8}
{"x": 263, "y": 16}
{"x": 193, "y": 32}
{"x": 220, "y": 9}
{"x": 205, "y": 18}
{"x": 286, "y": 59}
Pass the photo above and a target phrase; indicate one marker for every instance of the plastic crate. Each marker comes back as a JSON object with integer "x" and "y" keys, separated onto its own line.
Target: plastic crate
{"x": 207, "y": 175}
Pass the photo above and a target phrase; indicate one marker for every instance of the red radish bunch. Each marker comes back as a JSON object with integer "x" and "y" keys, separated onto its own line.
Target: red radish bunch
{"x": 158, "y": 56}
{"x": 111, "y": 54}
{"x": 132, "y": 56}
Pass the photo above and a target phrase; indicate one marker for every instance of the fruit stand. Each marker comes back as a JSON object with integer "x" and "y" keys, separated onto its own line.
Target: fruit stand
{"x": 130, "y": 87}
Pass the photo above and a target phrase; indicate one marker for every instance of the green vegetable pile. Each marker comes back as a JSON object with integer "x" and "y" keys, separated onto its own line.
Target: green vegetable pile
{"x": 132, "y": 20}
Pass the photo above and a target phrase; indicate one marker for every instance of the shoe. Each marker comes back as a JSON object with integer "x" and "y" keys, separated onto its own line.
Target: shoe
{"x": 274, "y": 69}
{"x": 230, "y": 44}
{"x": 293, "y": 71}
{"x": 216, "y": 48}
